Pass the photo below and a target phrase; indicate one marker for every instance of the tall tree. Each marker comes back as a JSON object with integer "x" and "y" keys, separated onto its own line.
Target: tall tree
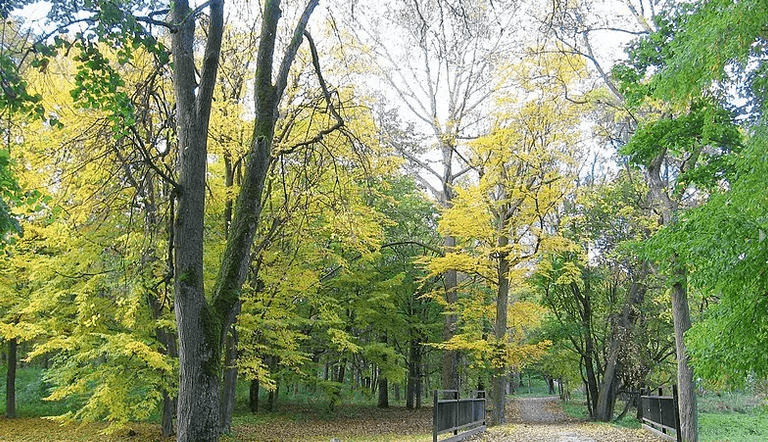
{"x": 201, "y": 324}
{"x": 681, "y": 147}
{"x": 445, "y": 87}
{"x": 520, "y": 189}
{"x": 719, "y": 47}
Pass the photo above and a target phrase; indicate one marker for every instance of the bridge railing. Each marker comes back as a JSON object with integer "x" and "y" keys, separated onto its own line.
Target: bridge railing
{"x": 463, "y": 417}
{"x": 660, "y": 414}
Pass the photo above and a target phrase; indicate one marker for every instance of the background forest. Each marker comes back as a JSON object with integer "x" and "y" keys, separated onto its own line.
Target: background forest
{"x": 349, "y": 202}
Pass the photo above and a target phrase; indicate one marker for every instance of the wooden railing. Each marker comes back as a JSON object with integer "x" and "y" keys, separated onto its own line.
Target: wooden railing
{"x": 463, "y": 417}
{"x": 660, "y": 414}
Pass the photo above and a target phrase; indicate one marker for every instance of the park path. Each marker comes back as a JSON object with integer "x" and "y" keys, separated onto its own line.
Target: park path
{"x": 543, "y": 420}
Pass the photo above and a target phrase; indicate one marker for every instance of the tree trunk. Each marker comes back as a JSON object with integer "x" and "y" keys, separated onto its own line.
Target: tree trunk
{"x": 685, "y": 383}
{"x": 499, "y": 381}
{"x": 271, "y": 399}
{"x": 10, "y": 379}
{"x": 451, "y": 358}
{"x": 168, "y": 339}
{"x": 202, "y": 327}
{"x": 342, "y": 371}
{"x": 413, "y": 373}
{"x": 253, "y": 396}
{"x": 591, "y": 381}
{"x": 230, "y": 381}
{"x": 681, "y": 314}
{"x": 383, "y": 393}
{"x": 607, "y": 398}
{"x": 199, "y": 327}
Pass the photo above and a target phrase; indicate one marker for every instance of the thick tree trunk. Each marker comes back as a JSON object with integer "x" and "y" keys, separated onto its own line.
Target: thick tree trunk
{"x": 551, "y": 384}
{"x": 202, "y": 327}
{"x": 606, "y": 396}
{"x": 199, "y": 327}
{"x": 10, "y": 379}
{"x": 253, "y": 396}
{"x": 383, "y": 393}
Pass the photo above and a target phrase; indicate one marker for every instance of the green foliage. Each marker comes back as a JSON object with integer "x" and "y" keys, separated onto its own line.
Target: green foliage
{"x": 704, "y": 135}
{"x": 723, "y": 244}
{"x": 8, "y": 190}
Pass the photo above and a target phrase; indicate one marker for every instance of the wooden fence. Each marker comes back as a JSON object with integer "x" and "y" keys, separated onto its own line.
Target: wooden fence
{"x": 452, "y": 414}
{"x": 660, "y": 414}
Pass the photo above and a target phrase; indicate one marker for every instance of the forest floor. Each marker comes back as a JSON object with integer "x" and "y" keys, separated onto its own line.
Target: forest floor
{"x": 529, "y": 420}
{"x": 543, "y": 419}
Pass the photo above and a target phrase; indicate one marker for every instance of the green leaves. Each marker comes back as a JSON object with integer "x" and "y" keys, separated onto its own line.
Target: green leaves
{"x": 702, "y": 139}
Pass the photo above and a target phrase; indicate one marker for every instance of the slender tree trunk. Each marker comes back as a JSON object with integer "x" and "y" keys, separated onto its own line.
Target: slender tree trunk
{"x": 686, "y": 387}
{"x": 413, "y": 373}
{"x": 607, "y": 398}
{"x": 10, "y": 379}
{"x": 590, "y": 355}
{"x": 230, "y": 381}
{"x": 499, "y": 380}
{"x": 591, "y": 381}
{"x": 168, "y": 339}
{"x": 681, "y": 314}
{"x": 451, "y": 358}
{"x": 271, "y": 399}
{"x": 342, "y": 371}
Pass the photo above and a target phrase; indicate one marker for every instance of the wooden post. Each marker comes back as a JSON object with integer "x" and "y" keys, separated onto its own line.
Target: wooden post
{"x": 434, "y": 419}
{"x": 456, "y": 412}
{"x": 678, "y": 433}
{"x": 661, "y": 410}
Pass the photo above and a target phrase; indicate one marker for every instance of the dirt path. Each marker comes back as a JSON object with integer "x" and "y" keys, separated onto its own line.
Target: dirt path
{"x": 543, "y": 420}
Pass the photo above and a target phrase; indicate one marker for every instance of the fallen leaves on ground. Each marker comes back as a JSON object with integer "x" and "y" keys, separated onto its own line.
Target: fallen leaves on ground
{"x": 348, "y": 422}
{"x": 573, "y": 432}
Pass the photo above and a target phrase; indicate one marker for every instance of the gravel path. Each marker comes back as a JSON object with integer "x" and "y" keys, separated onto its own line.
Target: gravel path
{"x": 543, "y": 420}
{"x": 539, "y": 410}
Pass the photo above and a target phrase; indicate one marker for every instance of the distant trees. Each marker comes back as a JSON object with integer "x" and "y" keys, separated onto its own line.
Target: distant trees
{"x": 445, "y": 82}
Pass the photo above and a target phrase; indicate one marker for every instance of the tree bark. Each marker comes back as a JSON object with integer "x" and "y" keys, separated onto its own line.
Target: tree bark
{"x": 499, "y": 380}
{"x": 685, "y": 383}
{"x": 199, "y": 327}
{"x": 253, "y": 396}
{"x": 383, "y": 393}
{"x": 681, "y": 314}
{"x": 10, "y": 379}
{"x": 168, "y": 339}
{"x": 202, "y": 327}
{"x": 414, "y": 364}
{"x": 451, "y": 358}
{"x": 230, "y": 381}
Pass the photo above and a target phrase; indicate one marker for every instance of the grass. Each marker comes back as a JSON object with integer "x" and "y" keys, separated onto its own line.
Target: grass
{"x": 732, "y": 417}
{"x": 726, "y": 417}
